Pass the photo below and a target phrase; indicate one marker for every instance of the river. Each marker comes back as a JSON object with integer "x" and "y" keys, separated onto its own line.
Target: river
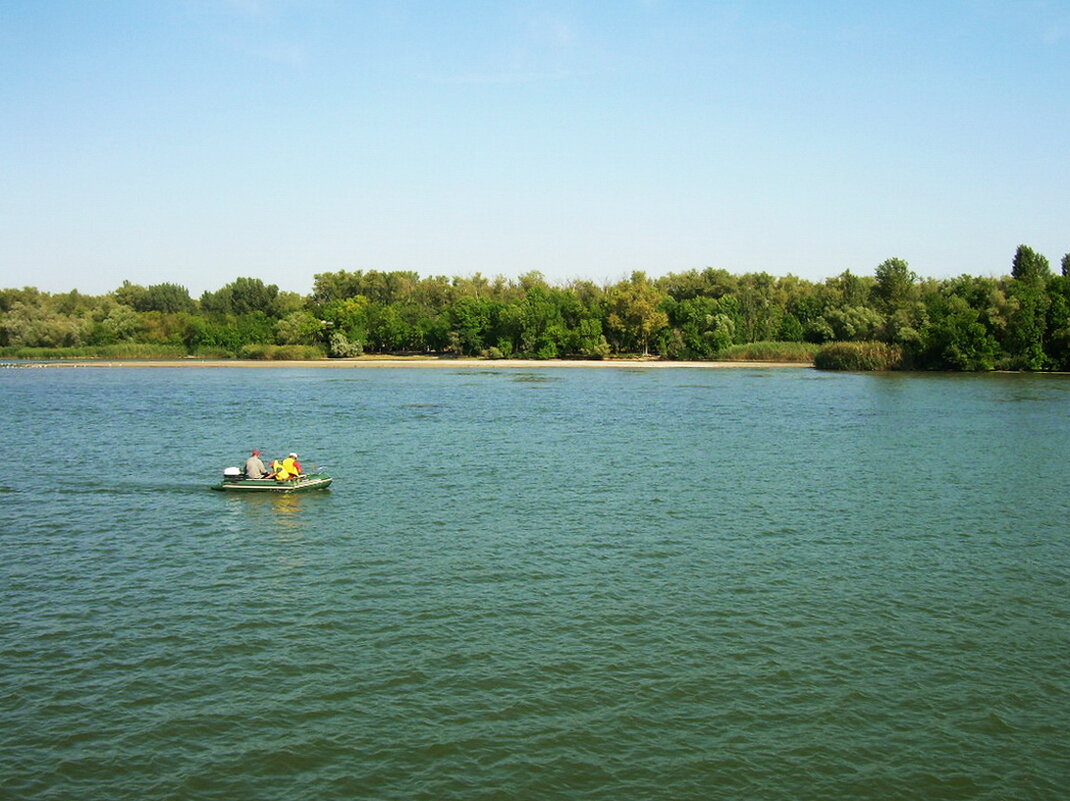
{"x": 536, "y": 584}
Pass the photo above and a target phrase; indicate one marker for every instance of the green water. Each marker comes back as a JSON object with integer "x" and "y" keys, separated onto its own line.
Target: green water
{"x": 551, "y": 584}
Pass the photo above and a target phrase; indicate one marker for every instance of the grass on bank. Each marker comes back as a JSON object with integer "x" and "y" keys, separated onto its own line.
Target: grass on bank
{"x": 125, "y": 350}
{"x": 831, "y": 356}
{"x": 770, "y": 352}
{"x": 132, "y": 351}
{"x": 282, "y": 353}
{"x": 859, "y": 356}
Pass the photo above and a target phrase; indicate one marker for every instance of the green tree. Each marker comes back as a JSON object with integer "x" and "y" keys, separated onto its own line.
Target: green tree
{"x": 122, "y": 324}
{"x": 130, "y": 294}
{"x": 1028, "y": 265}
{"x": 854, "y": 323}
{"x": 166, "y": 298}
{"x": 29, "y": 295}
{"x": 298, "y": 328}
{"x": 391, "y": 329}
{"x": 720, "y": 334}
{"x": 349, "y": 316}
{"x": 1028, "y": 323}
{"x": 709, "y": 283}
{"x": 165, "y": 329}
{"x": 288, "y": 303}
{"x": 588, "y": 339}
{"x": 37, "y": 325}
{"x": 1057, "y": 341}
{"x": 204, "y": 333}
{"x": 635, "y": 311}
{"x": 956, "y": 340}
{"x": 470, "y": 321}
{"x": 693, "y": 318}
{"x": 760, "y": 310}
{"x": 540, "y": 323}
{"x": 435, "y": 293}
{"x": 895, "y": 285}
{"x": 330, "y": 287}
{"x": 791, "y": 329}
{"x": 850, "y": 289}
{"x": 75, "y": 304}
{"x": 242, "y": 296}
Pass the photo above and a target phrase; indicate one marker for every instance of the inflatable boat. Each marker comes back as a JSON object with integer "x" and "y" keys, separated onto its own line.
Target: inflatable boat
{"x": 234, "y": 481}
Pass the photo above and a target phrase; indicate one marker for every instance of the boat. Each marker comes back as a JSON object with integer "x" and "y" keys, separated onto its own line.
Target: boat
{"x": 234, "y": 481}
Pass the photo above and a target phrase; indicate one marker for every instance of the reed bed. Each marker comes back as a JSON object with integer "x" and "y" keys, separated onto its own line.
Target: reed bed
{"x": 769, "y": 352}
{"x": 859, "y": 356}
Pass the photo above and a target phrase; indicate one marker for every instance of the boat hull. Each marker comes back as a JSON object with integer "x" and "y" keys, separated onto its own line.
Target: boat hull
{"x": 316, "y": 481}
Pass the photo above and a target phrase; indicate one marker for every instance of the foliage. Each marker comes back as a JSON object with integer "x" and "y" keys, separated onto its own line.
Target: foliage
{"x": 956, "y": 340}
{"x": 341, "y": 348}
{"x": 1018, "y": 321}
{"x": 894, "y": 285}
{"x": 854, "y": 323}
{"x": 635, "y": 312}
{"x": 38, "y": 324}
{"x": 1029, "y": 266}
{"x": 298, "y": 328}
{"x": 242, "y": 296}
{"x": 165, "y": 298}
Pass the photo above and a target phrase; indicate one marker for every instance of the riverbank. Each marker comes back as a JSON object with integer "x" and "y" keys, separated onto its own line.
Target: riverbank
{"x": 416, "y": 361}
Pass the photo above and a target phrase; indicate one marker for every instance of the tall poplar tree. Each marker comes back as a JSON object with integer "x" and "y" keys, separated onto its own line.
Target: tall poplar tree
{"x": 1029, "y": 272}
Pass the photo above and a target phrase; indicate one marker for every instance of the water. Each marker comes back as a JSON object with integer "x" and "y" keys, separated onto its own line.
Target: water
{"x": 575, "y": 584}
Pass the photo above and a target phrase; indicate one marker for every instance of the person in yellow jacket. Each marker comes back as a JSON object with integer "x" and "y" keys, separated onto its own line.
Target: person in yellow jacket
{"x": 288, "y": 469}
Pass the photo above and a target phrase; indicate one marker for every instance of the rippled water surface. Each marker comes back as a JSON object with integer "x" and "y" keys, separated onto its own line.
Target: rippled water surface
{"x": 575, "y": 584}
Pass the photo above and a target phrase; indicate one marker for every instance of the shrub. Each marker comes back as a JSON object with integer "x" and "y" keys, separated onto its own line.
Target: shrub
{"x": 548, "y": 350}
{"x": 342, "y": 347}
{"x": 597, "y": 351}
{"x": 859, "y": 356}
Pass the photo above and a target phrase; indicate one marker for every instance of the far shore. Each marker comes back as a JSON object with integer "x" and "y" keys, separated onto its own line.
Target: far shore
{"x": 481, "y": 364}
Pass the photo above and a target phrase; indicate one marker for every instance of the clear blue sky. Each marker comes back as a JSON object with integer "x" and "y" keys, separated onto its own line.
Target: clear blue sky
{"x": 194, "y": 141}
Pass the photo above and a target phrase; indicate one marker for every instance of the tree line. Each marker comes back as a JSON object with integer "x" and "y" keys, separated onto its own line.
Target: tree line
{"x": 1018, "y": 321}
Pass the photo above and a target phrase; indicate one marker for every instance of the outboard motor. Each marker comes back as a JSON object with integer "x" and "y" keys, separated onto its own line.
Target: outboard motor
{"x": 232, "y": 474}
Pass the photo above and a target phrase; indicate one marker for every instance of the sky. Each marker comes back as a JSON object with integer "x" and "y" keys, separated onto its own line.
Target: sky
{"x": 196, "y": 141}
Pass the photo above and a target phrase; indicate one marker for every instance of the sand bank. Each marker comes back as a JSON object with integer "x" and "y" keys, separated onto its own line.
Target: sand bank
{"x": 465, "y": 364}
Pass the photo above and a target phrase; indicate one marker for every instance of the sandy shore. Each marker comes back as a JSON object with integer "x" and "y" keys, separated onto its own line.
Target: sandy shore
{"x": 467, "y": 364}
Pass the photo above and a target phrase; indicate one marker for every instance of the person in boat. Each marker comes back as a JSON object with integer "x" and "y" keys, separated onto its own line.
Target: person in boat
{"x": 254, "y": 466}
{"x": 288, "y": 469}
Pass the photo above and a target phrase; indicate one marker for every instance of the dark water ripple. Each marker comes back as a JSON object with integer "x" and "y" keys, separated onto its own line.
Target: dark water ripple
{"x": 582, "y": 584}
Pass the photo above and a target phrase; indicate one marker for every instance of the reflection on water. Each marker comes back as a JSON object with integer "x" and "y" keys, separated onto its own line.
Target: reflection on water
{"x": 271, "y": 511}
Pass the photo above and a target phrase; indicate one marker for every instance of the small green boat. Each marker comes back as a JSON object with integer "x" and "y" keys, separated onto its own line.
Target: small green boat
{"x": 234, "y": 481}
